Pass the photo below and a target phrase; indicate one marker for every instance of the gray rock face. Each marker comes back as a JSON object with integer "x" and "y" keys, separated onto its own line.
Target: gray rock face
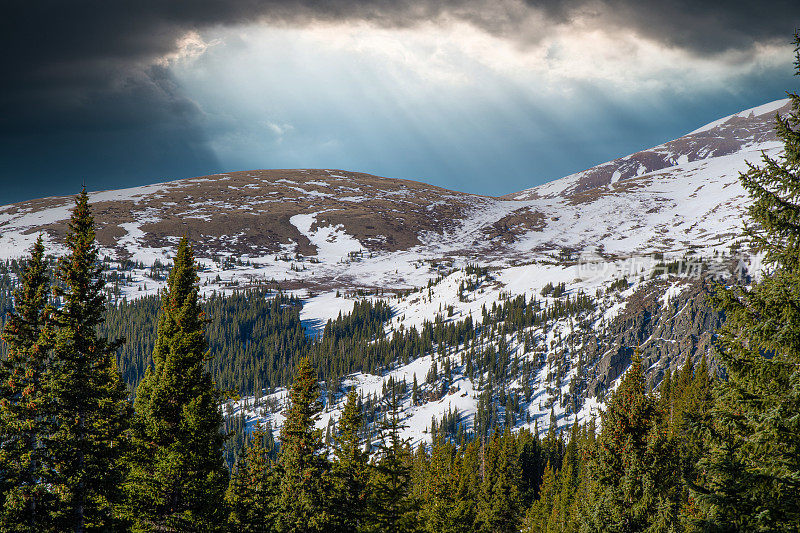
{"x": 667, "y": 333}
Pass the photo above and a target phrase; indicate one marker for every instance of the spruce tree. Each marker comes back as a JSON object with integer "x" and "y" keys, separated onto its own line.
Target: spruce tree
{"x": 562, "y": 516}
{"x": 350, "y": 470}
{"x": 393, "y": 508}
{"x": 635, "y": 470}
{"x": 697, "y": 403}
{"x": 252, "y": 493}
{"x": 177, "y": 479}
{"x": 305, "y": 484}
{"x": 461, "y": 513}
{"x": 90, "y": 405}
{"x": 530, "y": 463}
{"x": 444, "y": 497}
{"x": 753, "y": 463}
{"x": 538, "y": 516}
{"x": 23, "y": 402}
{"x": 499, "y": 504}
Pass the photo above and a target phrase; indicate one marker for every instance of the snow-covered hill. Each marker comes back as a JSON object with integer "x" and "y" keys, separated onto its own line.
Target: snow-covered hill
{"x": 746, "y": 131}
{"x": 684, "y": 193}
{"x": 328, "y": 235}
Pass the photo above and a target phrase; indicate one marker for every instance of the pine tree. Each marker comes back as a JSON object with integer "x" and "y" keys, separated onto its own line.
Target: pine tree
{"x": 393, "y": 508}
{"x": 177, "y": 479}
{"x": 350, "y": 470}
{"x": 252, "y": 492}
{"x": 499, "y": 508}
{"x": 561, "y": 492}
{"x": 753, "y": 463}
{"x": 23, "y": 402}
{"x": 665, "y": 398}
{"x": 445, "y": 497}
{"x": 697, "y": 403}
{"x": 635, "y": 471}
{"x": 91, "y": 409}
{"x": 305, "y": 484}
{"x": 562, "y": 518}
{"x": 538, "y": 516}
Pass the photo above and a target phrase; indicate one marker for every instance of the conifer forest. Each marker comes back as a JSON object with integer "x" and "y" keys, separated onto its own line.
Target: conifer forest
{"x": 119, "y": 415}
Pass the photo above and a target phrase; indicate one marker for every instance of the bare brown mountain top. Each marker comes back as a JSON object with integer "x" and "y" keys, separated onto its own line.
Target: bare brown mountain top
{"x": 683, "y": 193}
{"x": 249, "y": 212}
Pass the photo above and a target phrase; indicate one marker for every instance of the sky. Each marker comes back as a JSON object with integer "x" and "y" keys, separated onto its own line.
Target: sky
{"x": 483, "y": 96}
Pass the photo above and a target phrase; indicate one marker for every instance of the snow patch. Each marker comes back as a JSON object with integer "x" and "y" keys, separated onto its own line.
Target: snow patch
{"x": 331, "y": 241}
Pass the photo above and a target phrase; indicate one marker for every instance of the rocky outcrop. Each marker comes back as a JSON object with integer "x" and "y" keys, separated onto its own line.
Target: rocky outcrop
{"x": 667, "y": 331}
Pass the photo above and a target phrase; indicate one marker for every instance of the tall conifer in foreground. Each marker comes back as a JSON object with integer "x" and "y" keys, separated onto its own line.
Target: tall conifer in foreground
{"x": 350, "y": 468}
{"x": 498, "y": 506}
{"x": 177, "y": 478}
{"x": 635, "y": 470}
{"x": 393, "y": 507}
{"x": 441, "y": 498}
{"x": 305, "y": 484}
{"x": 753, "y": 467}
{"x": 23, "y": 402}
{"x": 90, "y": 405}
{"x": 252, "y": 491}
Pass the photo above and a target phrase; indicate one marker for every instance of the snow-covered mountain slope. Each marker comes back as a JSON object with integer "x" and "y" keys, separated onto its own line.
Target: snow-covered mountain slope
{"x": 684, "y": 193}
{"x": 256, "y": 213}
{"x": 746, "y": 131}
{"x": 572, "y": 360}
{"x": 330, "y": 236}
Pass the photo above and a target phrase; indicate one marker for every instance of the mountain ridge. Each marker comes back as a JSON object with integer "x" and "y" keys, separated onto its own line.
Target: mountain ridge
{"x": 632, "y": 249}
{"x": 249, "y": 212}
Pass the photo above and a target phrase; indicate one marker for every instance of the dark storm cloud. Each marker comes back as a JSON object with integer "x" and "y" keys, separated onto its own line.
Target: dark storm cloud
{"x": 67, "y": 54}
{"x": 60, "y": 49}
{"x": 707, "y": 26}
{"x": 81, "y": 80}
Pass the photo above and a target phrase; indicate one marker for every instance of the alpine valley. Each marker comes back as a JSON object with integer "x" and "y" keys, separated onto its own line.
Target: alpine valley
{"x": 520, "y": 310}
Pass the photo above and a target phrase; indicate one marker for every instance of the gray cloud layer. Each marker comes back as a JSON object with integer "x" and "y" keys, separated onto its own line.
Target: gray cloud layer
{"x": 73, "y": 70}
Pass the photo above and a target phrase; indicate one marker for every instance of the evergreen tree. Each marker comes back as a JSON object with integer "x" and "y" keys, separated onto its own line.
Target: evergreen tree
{"x": 635, "y": 471}
{"x": 665, "y": 399}
{"x": 530, "y": 464}
{"x": 499, "y": 504}
{"x": 753, "y": 464}
{"x": 698, "y": 403}
{"x": 252, "y": 492}
{"x": 563, "y": 515}
{"x": 177, "y": 479}
{"x": 538, "y": 515}
{"x": 90, "y": 405}
{"x": 350, "y": 470}
{"x": 305, "y": 484}
{"x": 462, "y": 513}
{"x": 563, "y": 493}
{"x": 445, "y": 498}
{"x": 393, "y": 507}
{"x": 23, "y": 402}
